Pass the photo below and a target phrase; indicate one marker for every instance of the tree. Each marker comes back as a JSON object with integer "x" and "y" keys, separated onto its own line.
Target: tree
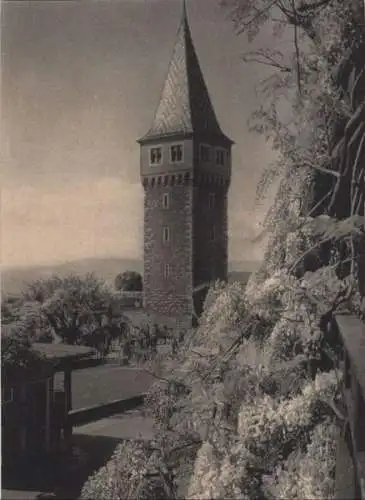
{"x": 17, "y": 356}
{"x": 320, "y": 146}
{"x": 258, "y": 367}
{"x": 79, "y": 309}
{"x": 129, "y": 281}
{"x": 25, "y": 318}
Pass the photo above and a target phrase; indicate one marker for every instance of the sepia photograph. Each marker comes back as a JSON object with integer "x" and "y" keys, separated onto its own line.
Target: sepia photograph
{"x": 182, "y": 249}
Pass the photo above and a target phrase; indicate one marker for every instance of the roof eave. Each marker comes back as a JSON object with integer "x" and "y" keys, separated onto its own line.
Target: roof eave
{"x": 152, "y": 137}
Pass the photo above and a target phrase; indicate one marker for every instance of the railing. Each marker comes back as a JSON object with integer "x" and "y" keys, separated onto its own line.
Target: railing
{"x": 83, "y": 416}
{"x": 350, "y": 332}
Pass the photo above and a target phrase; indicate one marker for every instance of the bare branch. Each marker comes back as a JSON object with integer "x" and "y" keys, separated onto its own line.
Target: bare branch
{"x": 297, "y": 53}
{"x": 258, "y": 14}
{"x": 261, "y": 56}
{"x": 314, "y": 5}
{"x": 340, "y": 412}
{"x": 325, "y": 170}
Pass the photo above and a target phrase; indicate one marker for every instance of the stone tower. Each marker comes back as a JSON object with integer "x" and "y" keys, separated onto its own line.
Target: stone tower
{"x": 185, "y": 172}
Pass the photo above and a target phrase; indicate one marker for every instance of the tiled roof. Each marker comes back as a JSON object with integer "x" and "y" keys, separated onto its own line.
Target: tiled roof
{"x": 185, "y": 105}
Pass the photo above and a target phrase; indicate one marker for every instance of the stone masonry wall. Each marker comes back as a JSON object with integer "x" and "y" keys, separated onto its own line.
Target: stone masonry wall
{"x": 172, "y": 295}
{"x": 210, "y": 257}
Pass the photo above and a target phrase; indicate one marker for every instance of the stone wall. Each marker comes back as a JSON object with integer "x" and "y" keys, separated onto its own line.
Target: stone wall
{"x": 171, "y": 295}
{"x": 128, "y": 299}
{"x": 194, "y": 254}
{"x": 210, "y": 255}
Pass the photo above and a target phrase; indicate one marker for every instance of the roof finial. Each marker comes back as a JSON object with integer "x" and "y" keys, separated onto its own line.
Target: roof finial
{"x": 185, "y": 15}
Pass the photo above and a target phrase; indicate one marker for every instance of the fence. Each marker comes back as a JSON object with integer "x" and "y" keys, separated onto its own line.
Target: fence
{"x": 350, "y": 467}
{"x": 84, "y": 416}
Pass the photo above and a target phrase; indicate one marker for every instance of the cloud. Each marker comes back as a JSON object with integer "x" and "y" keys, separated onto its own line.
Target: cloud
{"x": 95, "y": 218}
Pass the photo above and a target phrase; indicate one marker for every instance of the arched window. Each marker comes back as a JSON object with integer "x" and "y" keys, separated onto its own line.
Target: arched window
{"x": 166, "y": 201}
{"x": 166, "y": 271}
{"x": 211, "y": 200}
{"x": 176, "y": 153}
{"x": 166, "y": 234}
{"x": 156, "y": 156}
{"x": 213, "y": 233}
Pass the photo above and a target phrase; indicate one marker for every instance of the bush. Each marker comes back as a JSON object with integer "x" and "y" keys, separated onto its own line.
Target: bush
{"x": 269, "y": 431}
{"x": 129, "y": 281}
{"x": 308, "y": 473}
{"x": 120, "y": 477}
{"x": 18, "y": 359}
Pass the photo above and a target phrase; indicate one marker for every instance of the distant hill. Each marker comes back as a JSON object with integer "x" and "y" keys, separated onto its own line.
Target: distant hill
{"x": 241, "y": 271}
{"x": 241, "y": 276}
{"x": 14, "y": 279}
{"x": 244, "y": 265}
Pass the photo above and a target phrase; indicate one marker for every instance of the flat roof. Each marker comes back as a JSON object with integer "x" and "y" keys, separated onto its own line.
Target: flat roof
{"x": 62, "y": 352}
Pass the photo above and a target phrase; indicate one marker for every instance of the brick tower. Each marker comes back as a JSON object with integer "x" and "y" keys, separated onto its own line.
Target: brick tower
{"x": 185, "y": 172}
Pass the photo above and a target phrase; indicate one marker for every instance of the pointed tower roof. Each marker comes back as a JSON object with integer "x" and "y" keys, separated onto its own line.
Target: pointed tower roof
{"x": 185, "y": 106}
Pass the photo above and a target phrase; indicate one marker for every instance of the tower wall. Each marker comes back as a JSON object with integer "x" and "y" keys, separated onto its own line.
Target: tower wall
{"x": 210, "y": 242}
{"x": 166, "y": 166}
{"x": 171, "y": 295}
{"x": 185, "y": 158}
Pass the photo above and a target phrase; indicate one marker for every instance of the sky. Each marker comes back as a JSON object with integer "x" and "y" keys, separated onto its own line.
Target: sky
{"x": 80, "y": 84}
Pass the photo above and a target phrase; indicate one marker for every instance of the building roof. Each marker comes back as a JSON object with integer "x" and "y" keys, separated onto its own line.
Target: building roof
{"x": 185, "y": 106}
{"x": 63, "y": 352}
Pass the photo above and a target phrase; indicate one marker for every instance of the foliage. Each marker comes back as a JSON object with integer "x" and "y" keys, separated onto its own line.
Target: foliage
{"x": 25, "y": 318}
{"x": 79, "y": 309}
{"x": 120, "y": 477}
{"x": 308, "y": 473}
{"x": 41, "y": 289}
{"x": 74, "y": 310}
{"x": 287, "y": 393}
{"x": 239, "y": 406}
{"x": 206, "y": 473}
{"x": 22, "y": 324}
{"x": 320, "y": 146}
{"x": 258, "y": 389}
{"x": 268, "y": 386}
{"x": 18, "y": 358}
{"x": 129, "y": 281}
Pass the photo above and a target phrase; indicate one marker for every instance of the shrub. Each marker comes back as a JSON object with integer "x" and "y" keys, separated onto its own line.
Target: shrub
{"x": 120, "y": 477}
{"x": 206, "y": 473}
{"x": 129, "y": 281}
{"x": 269, "y": 431}
{"x": 308, "y": 473}
{"x": 222, "y": 313}
{"x": 18, "y": 359}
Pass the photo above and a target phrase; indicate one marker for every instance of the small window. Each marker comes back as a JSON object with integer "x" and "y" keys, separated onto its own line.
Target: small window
{"x": 166, "y": 234}
{"x": 176, "y": 153}
{"x": 204, "y": 153}
{"x": 213, "y": 234}
{"x": 156, "y": 156}
{"x": 166, "y": 200}
{"x": 166, "y": 271}
{"x": 211, "y": 200}
{"x": 220, "y": 156}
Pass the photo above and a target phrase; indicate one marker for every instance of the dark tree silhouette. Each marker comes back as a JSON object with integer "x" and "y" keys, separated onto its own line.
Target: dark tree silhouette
{"x": 129, "y": 281}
